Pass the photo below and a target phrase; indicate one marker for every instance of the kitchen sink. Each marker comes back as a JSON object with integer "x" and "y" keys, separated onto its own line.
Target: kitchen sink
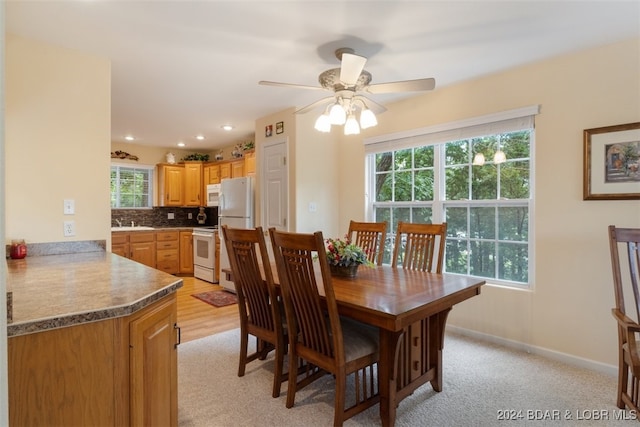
{"x": 136, "y": 228}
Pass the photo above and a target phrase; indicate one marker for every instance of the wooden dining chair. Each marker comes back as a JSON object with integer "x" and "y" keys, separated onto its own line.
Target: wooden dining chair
{"x": 370, "y": 236}
{"x": 258, "y": 302}
{"x": 628, "y": 328}
{"x": 420, "y": 246}
{"x": 317, "y": 334}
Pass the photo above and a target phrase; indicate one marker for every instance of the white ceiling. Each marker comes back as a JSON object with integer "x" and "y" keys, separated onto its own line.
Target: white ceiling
{"x": 181, "y": 68}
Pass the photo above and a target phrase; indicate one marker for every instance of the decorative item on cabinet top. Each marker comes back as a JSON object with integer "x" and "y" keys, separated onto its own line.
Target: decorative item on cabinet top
{"x": 123, "y": 155}
{"x": 196, "y": 156}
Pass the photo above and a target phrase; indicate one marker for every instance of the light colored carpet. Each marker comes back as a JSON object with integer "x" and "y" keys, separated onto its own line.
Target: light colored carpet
{"x": 482, "y": 381}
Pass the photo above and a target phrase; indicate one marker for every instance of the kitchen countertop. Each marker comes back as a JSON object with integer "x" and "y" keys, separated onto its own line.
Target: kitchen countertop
{"x": 144, "y": 228}
{"x": 57, "y": 291}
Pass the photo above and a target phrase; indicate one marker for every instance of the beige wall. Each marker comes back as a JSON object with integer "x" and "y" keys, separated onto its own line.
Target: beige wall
{"x": 568, "y": 311}
{"x": 57, "y": 138}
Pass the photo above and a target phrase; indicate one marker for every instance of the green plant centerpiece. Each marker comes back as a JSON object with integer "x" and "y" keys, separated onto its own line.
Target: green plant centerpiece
{"x": 345, "y": 257}
{"x": 196, "y": 157}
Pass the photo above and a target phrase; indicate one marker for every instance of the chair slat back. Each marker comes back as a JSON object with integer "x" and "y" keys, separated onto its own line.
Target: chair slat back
{"x": 247, "y": 252}
{"x": 295, "y": 254}
{"x": 628, "y": 238}
{"x": 370, "y": 236}
{"x": 420, "y": 246}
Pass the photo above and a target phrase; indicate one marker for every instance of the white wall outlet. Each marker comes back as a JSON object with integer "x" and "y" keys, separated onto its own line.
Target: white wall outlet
{"x": 69, "y": 228}
{"x": 313, "y": 207}
{"x": 171, "y": 215}
{"x": 189, "y": 215}
{"x": 69, "y": 206}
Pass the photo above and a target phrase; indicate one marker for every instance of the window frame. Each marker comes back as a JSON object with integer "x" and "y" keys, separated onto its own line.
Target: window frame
{"x": 151, "y": 171}
{"x": 425, "y": 137}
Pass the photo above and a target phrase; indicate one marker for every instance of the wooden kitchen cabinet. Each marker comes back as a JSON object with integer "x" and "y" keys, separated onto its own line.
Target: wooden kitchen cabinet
{"x": 168, "y": 251}
{"x": 120, "y": 244}
{"x": 237, "y": 168}
{"x": 171, "y": 184}
{"x": 154, "y": 367}
{"x": 225, "y": 170}
{"x": 211, "y": 174}
{"x": 193, "y": 194}
{"x": 118, "y": 371}
{"x": 142, "y": 246}
{"x": 250, "y": 163}
{"x": 186, "y": 252}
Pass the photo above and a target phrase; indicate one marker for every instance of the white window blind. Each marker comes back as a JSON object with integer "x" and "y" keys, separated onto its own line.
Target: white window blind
{"x": 491, "y": 124}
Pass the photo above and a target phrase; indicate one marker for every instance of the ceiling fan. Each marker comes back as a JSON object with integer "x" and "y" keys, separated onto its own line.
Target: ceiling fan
{"x": 349, "y": 83}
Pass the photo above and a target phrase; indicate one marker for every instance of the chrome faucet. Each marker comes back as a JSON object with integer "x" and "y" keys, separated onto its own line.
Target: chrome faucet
{"x": 119, "y": 222}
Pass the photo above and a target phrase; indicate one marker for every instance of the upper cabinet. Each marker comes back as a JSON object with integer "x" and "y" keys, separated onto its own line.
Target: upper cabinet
{"x": 250, "y": 163}
{"x": 211, "y": 174}
{"x": 193, "y": 195}
{"x": 170, "y": 184}
{"x": 184, "y": 184}
{"x": 237, "y": 168}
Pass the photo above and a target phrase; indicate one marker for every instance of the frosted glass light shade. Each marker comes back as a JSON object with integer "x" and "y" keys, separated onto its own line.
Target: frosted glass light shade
{"x": 367, "y": 119}
{"x": 351, "y": 126}
{"x": 323, "y": 123}
{"x": 499, "y": 157}
{"x": 337, "y": 115}
{"x": 478, "y": 159}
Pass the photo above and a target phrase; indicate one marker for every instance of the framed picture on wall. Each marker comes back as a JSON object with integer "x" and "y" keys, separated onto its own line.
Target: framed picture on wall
{"x": 279, "y": 127}
{"x": 612, "y": 162}
{"x": 268, "y": 130}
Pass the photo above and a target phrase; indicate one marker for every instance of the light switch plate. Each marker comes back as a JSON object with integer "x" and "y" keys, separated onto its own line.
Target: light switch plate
{"x": 69, "y": 207}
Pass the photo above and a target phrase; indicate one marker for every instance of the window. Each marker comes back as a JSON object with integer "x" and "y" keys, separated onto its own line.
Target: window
{"x": 429, "y": 177}
{"x": 131, "y": 186}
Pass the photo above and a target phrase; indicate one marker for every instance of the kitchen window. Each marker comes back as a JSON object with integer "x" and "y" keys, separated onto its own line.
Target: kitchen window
{"x": 131, "y": 186}
{"x": 428, "y": 176}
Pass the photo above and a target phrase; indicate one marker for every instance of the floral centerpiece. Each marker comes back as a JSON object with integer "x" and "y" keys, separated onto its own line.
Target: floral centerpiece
{"x": 344, "y": 257}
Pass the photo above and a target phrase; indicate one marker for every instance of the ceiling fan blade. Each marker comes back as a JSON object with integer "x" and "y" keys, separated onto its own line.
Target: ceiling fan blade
{"x": 291, "y": 85}
{"x": 403, "y": 86}
{"x": 351, "y": 67}
{"x": 315, "y": 104}
{"x": 371, "y": 104}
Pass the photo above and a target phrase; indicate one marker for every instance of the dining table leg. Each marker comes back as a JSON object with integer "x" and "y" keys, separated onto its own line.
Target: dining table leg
{"x": 389, "y": 345}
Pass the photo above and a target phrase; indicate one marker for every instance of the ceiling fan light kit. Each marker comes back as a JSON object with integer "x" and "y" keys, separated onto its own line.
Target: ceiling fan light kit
{"x": 347, "y": 84}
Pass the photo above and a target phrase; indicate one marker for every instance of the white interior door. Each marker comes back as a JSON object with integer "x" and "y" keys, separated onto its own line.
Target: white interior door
{"x": 275, "y": 190}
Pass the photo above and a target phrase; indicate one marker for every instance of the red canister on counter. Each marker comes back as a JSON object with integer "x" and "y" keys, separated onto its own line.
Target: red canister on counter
{"x": 18, "y": 249}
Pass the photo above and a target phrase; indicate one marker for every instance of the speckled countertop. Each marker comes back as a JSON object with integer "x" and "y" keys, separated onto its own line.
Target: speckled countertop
{"x": 63, "y": 290}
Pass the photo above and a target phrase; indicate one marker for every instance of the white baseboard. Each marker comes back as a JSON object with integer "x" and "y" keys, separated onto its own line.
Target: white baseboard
{"x": 541, "y": 351}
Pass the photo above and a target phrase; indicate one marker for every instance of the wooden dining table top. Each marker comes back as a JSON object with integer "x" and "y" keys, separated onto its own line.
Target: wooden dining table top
{"x": 393, "y": 298}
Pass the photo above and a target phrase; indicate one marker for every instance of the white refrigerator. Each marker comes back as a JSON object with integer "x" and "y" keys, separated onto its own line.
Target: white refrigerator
{"x": 236, "y": 211}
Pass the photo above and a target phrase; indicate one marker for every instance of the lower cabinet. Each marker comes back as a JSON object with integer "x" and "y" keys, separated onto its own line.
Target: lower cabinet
{"x": 142, "y": 247}
{"x": 167, "y": 251}
{"x": 186, "y": 252}
{"x": 114, "y": 372}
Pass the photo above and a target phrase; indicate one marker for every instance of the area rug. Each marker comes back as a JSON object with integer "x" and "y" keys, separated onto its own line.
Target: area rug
{"x": 217, "y": 298}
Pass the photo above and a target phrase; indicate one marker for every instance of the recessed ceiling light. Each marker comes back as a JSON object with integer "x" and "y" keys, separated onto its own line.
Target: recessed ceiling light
{"x": 180, "y": 144}
{"x": 200, "y": 137}
{"x": 227, "y": 127}
{"x": 129, "y": 138}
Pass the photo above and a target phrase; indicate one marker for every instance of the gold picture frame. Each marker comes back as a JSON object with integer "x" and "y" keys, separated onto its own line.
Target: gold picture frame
{"x": 612, "y": 162}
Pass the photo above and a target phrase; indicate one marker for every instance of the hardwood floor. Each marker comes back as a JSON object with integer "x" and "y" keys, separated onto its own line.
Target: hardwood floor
{"x": 198, "y": 319}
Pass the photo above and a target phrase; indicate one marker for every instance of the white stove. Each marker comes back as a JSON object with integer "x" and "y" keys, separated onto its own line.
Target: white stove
{"x": 204, "y": 253}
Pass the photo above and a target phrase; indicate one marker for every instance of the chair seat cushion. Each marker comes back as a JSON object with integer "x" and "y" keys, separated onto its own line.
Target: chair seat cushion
{"x": 359, "y": 339}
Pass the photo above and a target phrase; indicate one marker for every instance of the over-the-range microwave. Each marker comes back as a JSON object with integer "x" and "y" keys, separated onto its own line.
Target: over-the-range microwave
{"x": 213, "y": 194}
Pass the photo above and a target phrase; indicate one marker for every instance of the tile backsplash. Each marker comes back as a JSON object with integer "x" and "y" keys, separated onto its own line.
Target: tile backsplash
{"x": 159, "y": 217}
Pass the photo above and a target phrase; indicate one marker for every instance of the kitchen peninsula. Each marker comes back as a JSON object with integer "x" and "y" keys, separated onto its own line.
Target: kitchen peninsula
{"x": 92, "y": 341}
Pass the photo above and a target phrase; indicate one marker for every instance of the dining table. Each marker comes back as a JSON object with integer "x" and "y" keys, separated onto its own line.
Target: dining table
{"x": 410, "y": 309}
